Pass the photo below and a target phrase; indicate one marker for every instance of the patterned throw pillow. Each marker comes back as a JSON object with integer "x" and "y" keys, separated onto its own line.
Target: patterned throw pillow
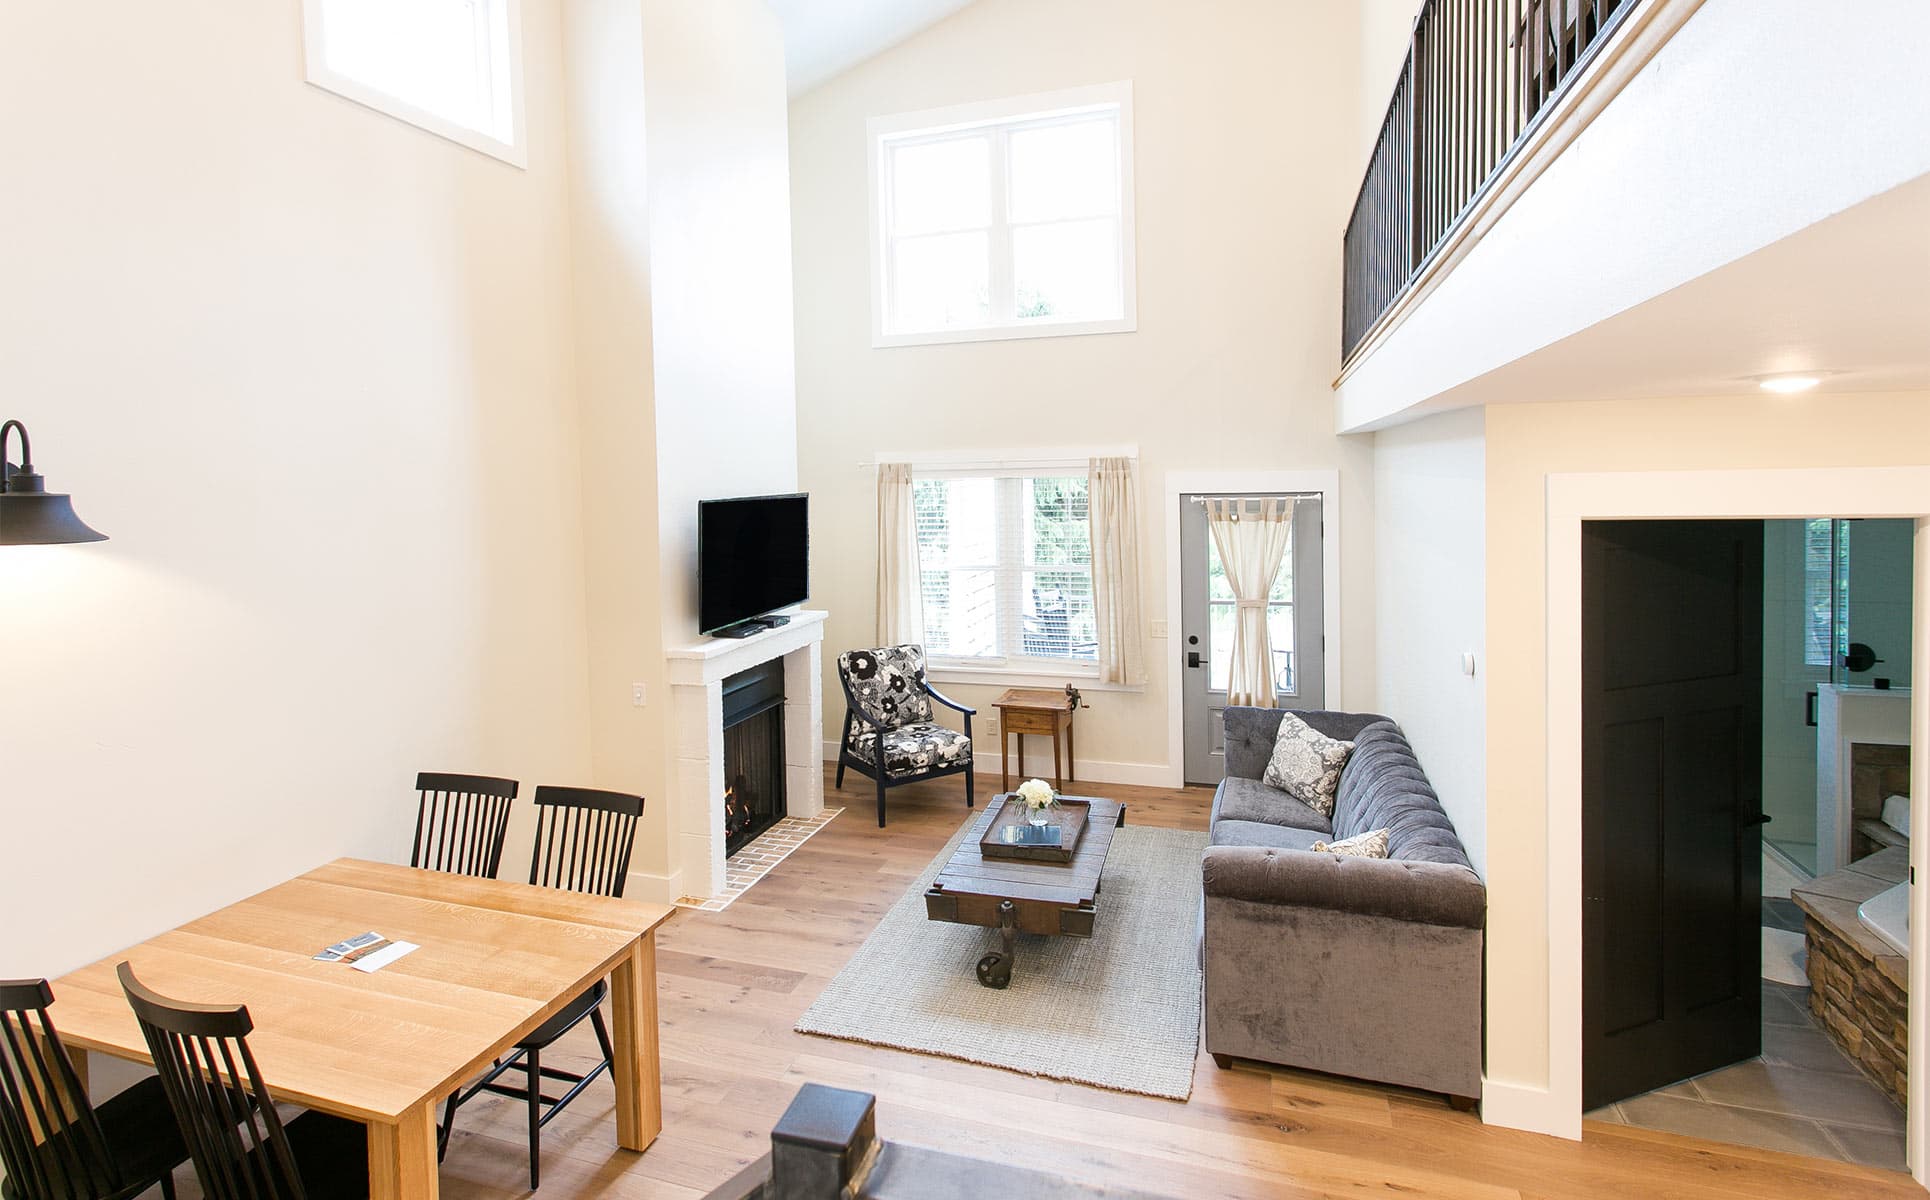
{"x": 1306, "y": 764}
{"x": 1361, "y": 845}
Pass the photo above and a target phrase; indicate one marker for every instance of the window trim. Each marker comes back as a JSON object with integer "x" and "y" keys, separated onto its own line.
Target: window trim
{"x": 321, "y": 75}
{"x": 955, "y": 464}
{"x": 936, "y": 123}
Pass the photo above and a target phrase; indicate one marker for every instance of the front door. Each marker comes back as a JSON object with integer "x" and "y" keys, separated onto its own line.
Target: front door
{"x": 1671, "y": 801}
{"x": 1294, "y": 622}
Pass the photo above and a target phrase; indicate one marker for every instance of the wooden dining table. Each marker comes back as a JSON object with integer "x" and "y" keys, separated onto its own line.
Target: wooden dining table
{"x": 385, "y": 1048}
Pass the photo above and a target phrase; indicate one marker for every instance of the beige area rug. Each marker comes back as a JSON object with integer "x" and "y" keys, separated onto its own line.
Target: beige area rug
{"x": 1118, "y": 1010}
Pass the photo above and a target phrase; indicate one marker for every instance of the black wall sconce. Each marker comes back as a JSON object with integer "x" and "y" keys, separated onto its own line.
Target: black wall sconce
{"x": 30, "y": 515}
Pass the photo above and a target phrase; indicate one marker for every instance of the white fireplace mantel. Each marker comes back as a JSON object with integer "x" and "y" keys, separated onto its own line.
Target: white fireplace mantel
{"x": 696, "y": 675}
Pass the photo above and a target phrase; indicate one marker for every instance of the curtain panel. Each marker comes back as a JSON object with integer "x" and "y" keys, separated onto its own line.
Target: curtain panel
{"x": 1252, "y": 545}
{"x": 1112, "y": 508}
{"x": 901, "y": 603}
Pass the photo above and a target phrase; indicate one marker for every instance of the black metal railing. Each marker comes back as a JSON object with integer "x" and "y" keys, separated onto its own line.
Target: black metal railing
{"x": 1478, "y": 75}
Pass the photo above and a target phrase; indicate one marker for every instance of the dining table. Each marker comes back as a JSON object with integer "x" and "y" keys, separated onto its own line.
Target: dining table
{"x": 495, "y": 959}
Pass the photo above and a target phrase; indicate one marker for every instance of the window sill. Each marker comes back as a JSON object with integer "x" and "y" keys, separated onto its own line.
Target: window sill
{"x": 999, "y": 333}
{"x": 1025, "y": 677}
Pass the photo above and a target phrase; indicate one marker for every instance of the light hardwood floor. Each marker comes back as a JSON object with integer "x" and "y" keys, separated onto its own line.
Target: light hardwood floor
{"x": 732, "y": 984}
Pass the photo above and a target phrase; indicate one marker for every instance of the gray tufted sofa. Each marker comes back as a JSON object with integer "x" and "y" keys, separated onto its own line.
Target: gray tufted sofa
{"x": 1356, "y": 966}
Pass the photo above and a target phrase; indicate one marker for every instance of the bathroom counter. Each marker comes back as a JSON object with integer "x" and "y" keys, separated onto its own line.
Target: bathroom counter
{"x": 1859, "y": 986}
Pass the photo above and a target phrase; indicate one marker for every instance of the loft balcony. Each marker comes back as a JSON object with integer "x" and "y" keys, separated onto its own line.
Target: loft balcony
{"x": 1481, "y": 76}
{"x": 1555, "y": 174}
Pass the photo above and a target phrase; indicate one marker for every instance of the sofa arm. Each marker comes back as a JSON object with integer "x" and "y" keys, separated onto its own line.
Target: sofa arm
{"x": 1423, "y": 892}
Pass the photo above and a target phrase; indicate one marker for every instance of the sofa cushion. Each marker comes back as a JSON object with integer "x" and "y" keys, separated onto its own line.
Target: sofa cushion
{"x": 1250, "y": 733}
{"x": 1306, "y": 764}
{"x": 1263, "y": 835}
{"x": 911, "y": 749}
{"x": 1250, "y": 800}
{"x": 1383, "y": 787}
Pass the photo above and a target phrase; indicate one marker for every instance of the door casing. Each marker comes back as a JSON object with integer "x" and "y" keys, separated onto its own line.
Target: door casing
{"x": 1773, "y": 493}
{"x": 1181, "y": 483}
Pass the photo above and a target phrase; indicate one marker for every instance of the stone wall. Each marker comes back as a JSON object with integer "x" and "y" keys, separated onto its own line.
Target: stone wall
{"x": 1860, "y": 998}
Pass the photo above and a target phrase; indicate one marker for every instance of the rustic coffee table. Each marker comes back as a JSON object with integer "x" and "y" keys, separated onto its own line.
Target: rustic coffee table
{"x": 1014, "y": 897}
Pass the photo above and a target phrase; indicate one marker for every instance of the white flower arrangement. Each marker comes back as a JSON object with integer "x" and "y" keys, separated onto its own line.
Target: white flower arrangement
{"x": 1037, "y": 795}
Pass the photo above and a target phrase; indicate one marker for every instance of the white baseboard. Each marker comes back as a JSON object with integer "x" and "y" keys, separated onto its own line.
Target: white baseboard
{"x": 1516, "y": 1106}
{"x": 658, "y": 889}
{"x": 1089, "y": 770}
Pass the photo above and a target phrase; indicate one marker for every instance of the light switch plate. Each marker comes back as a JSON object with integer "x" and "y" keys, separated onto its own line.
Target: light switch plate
{"x": 1156, "y": 628}
{"x": 638, "y": 696}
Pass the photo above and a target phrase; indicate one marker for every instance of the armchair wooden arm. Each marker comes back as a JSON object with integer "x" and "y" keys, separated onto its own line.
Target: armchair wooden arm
{"x": 945, "y": 700}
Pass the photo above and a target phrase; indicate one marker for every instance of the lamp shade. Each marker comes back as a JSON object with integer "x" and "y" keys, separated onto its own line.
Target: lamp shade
{"x": 42, "y": 519}
{"x": 30, "y": 515}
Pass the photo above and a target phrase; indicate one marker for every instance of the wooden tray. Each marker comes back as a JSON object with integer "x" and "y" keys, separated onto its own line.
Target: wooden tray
{"x": 1008, "y": 822}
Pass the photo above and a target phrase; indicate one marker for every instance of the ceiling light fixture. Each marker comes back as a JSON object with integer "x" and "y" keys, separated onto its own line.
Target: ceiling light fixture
{"x": 1788, "y": 385}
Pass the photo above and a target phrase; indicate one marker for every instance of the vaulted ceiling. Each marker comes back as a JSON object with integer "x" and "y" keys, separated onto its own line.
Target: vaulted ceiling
{"x": 823, "y": 38}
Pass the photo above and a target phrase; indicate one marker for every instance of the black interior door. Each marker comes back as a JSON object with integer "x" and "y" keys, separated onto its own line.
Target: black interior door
{"x": 1671, "y": 801}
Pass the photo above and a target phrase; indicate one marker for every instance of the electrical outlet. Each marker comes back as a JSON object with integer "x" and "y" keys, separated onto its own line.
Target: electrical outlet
{"x": 637, "y": 695}
{"x": 1156, "y": 628}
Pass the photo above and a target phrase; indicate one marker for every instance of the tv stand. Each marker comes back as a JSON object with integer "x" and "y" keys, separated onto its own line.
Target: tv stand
{"x": 752, "y": 627}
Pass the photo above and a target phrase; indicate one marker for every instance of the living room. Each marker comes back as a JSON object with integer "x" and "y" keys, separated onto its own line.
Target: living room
{"x": 458, "y": 395}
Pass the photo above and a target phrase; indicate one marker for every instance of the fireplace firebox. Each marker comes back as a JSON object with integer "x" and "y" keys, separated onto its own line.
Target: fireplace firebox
{"x": 753, "y": 753}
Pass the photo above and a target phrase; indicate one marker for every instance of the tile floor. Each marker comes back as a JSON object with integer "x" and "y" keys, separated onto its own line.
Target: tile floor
{"x": 1802, "y": 1096}
{"x": 755, "y": 860}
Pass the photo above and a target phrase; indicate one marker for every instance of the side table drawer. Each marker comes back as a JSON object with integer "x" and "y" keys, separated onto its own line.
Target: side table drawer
{"x": 1029, "y": 720}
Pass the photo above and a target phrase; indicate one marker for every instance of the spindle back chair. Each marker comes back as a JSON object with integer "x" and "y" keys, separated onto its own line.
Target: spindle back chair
{"x": 460, "y": 823}
{"x": 583, "y": 839}
{"x": 53, "y": 1144}
{"x": 227, "y": 1116}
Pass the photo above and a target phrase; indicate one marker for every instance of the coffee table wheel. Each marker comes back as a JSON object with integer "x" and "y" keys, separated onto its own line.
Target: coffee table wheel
{"x": 995, "y": 970}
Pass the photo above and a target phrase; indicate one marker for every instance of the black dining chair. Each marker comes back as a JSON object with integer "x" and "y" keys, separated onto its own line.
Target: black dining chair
{"x": 54, "y": 1144}
{"x": 583, "y": 840}
{"x": 460, "y": 822}
{"x": 226, "y": 1114}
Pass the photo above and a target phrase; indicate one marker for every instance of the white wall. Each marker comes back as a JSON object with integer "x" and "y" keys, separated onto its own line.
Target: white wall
{"x": 1802, "y": 109}
{"x": 311, "y": 369}
{"x": 719, "y": 200}
{"x": 1244, "y": 180}
{"x": 1430, "y": 578}
{"x": 610, "y": 240}
{"x": 681, "y": 222}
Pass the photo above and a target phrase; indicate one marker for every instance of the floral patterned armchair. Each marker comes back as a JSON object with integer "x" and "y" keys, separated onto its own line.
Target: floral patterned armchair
{"x": 889, "y": 734}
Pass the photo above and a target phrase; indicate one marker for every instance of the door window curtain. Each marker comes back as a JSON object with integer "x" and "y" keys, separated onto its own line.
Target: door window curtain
{"x": 1112, "y": 509}
{"x": 1252, "y": 545}
{"x": 901, "y": 605}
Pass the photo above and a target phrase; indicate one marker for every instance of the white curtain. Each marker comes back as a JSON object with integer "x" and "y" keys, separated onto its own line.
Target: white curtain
{"x": 901, "y": 601}
{"x": 1112, "y": 508}
{"x": 1252, "y": 545}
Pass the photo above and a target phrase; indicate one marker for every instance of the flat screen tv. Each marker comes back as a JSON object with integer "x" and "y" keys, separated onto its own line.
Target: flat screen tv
{"x": 753, "y": 557}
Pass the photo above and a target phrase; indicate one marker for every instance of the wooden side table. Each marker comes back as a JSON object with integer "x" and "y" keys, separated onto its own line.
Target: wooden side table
{"x": 1036, "y": 710}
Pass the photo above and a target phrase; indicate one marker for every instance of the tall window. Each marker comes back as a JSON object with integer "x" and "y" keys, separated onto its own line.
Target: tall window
{"x": 1011, "y": 219}
{"x": 1005, "y": 565}
{"x": 452, "y": 67}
